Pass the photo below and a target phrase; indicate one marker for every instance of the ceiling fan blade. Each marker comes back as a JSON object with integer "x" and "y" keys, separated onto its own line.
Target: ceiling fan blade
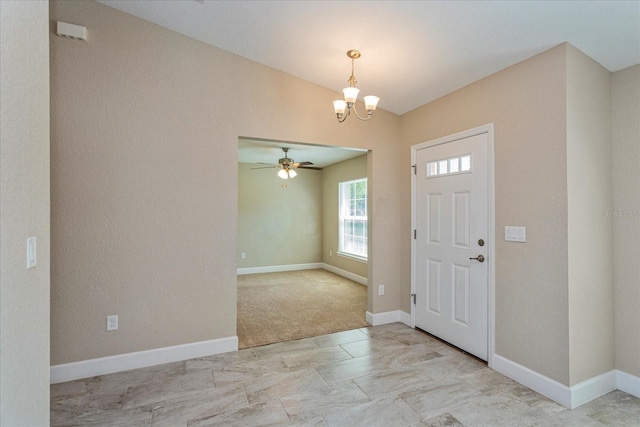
{"x": 298, "y": 164}
{"x": 309, "y": 167}
{"x": 265, "y": 167}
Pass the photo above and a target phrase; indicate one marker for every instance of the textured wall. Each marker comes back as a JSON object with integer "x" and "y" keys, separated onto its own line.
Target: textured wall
{"x": 590, "y": 233}
{"x": 332, "y": 175}
{"x": 527, "y": 103}
{"x": 279, "y": 221}
{"x": 626, "y": 219}
{"x": 145, "y": 124}
{"x": 24, "y": 213}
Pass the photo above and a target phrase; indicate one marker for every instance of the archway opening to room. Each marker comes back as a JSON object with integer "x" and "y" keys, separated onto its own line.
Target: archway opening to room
{"x": 302, "y": 240}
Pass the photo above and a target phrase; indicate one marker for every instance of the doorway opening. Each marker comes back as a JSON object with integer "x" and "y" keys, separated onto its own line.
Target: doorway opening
{"x": 293, "y": 279}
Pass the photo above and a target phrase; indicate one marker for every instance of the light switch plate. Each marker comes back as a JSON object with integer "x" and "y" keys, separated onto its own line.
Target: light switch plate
{"x": 515, "y": 234}
{"x": 31, "y": 252}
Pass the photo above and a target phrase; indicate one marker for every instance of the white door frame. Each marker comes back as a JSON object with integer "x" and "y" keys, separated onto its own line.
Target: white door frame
{"x": 489, "y": 130}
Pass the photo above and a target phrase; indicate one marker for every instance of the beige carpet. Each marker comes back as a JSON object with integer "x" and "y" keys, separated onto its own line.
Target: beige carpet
{"x": 275, "y": 307}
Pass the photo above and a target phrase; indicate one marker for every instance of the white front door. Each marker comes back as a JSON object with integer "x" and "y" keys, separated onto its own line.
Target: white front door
{"x": 451, "y": 219}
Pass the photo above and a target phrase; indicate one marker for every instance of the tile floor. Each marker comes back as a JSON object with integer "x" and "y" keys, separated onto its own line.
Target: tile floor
{"x": 387, "y": 375}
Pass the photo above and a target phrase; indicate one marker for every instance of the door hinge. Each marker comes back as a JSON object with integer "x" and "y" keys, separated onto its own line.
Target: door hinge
{"x": 414, "y": 298}
{"x": 415, "y": 169}
{"x": 415, "y": 234}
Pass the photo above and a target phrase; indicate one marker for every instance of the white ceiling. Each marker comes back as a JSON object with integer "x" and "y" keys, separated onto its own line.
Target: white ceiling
{"x": 412, "y": 51}
{"x": 262, "y": 151}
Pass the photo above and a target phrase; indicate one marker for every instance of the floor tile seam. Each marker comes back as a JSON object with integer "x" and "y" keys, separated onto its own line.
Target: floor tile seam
{"x": 285, "y": 410}
{"x": 321, "y": 377}
{"x": 338, "y": 345}
{"x": 327, "y": 413}
{"x": 445, "y": 410}
{"x": 124, "y": 398}
{"x": 524, "y": 423}
{"x": 509, "y": 395}
{"x": 246, "y": 396}
{"x": 397, "y": 392}
{"x": 213, "y": 379}
{"x": 160, "y": 401}
{"x": 230, "y": 411}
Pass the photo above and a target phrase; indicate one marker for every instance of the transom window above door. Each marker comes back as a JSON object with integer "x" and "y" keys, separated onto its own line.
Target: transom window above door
{"x": 458, "y": 164}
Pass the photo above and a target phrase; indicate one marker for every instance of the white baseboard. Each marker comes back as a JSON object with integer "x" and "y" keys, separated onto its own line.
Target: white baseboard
{"x": 406, "y": 319}
{"x": 140, "y": 359}
{"x": 570, "y": 397}
{"x": 388, "y": 317}
{"x": 346, "y": 274}
{"x": 592, "y": 388}
{"x": 628, "y": 383}
{"x": 309, "y": 266}
{"x": 535, "y": 381}
{"x": 278, "y": 268}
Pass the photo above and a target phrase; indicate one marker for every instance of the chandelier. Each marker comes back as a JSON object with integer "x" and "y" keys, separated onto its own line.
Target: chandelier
{"x": 343, "y": 108}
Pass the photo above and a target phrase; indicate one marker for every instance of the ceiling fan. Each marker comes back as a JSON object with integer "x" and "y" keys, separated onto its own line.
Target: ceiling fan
{"x": 287, "y": 166}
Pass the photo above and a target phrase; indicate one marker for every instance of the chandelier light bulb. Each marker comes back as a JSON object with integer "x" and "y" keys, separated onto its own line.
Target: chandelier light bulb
{"x": 370, "y": 103}
{"x": 339, "y": 106}
{"x": 350, "y": 94}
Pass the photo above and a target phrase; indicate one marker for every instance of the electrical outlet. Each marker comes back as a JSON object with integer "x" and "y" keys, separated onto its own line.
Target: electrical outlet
{"x": 112, "y": 323}
{"x": 381, "y": 290}
{"x": 244, "y": 255}
{"x": 330, "y": 253}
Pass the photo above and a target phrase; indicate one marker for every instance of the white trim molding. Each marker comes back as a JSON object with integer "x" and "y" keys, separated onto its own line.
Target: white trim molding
{"x": 535, "y": 381}
{"x": 279, "y": 268}
{"x": 346, "y": 274}
{"x": 309, "y": 266}
{"x": 570, "y": 397}
{"x": 592, "y": 388}
{"x": 628, "y": 383}
{"x": 388, "y": 317}
{"x": 140, "y": 359}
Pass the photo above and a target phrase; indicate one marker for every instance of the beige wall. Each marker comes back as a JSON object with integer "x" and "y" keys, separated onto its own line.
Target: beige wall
{"x": 626, "y": 217}
{"x": 279, "y": 221}
{"x": 145, "y": 124}
{"x": 24, "y": 213}
{"x": 347, "y": 170}
{"x": 527, "y": 104}
{"x": 144, "y": 184}
{"x": 590, "y": 233}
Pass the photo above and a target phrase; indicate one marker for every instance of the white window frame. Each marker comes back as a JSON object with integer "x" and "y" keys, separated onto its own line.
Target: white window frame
{"x": 345, "y": 245}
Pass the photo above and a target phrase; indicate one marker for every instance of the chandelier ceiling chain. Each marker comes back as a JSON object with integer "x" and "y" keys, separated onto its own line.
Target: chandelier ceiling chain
{"x": 343, "y": 108}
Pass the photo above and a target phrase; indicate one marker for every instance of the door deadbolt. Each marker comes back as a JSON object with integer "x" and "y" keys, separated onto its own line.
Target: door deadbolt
{"x": 479, "y": 258}
{"x": 481, "y": 242}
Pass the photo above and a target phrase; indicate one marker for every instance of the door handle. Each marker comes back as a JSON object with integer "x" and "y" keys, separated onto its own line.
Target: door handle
{"x": 479, "y": 258}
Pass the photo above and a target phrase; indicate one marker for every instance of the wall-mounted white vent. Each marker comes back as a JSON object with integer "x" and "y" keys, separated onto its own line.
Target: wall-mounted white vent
{"x": 71, "y": 31}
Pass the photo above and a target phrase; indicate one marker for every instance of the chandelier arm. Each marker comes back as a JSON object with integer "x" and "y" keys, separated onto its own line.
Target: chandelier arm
{"x": 358, "y": 115}
{"x": 345, "y": 115}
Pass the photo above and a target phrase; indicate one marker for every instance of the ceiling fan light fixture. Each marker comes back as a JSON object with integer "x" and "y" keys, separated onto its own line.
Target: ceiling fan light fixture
{"x": 287, "y": 166}
{"x": 342, "y": 108}
{"x": 282, "y": 173}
